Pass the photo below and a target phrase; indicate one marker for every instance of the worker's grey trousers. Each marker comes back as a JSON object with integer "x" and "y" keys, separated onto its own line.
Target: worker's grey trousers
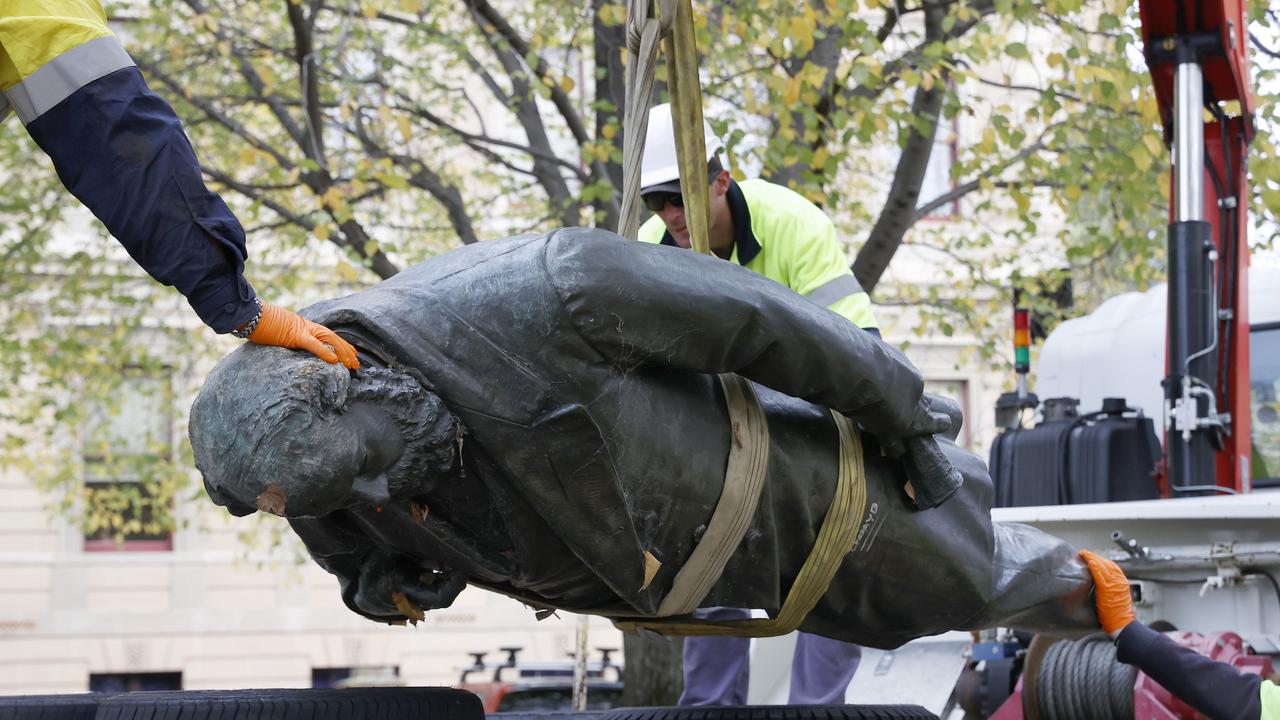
{"x": 717, "y": 669}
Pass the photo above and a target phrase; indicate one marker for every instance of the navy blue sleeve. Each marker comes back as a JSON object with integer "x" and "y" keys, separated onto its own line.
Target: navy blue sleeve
{"x": 121, "y": 150}
{"x": 1217, "y": 690}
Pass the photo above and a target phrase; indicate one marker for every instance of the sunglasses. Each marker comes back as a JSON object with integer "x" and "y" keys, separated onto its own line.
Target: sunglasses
{"x": 658, "y": 200}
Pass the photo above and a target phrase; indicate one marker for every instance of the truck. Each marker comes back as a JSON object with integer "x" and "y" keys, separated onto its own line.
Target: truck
{"x": 1153, "y": 434}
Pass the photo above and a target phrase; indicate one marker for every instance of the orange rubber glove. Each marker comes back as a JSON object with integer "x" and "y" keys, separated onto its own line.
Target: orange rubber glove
{"x": 1115, "y": 604}
{"x": 285, "y": 328}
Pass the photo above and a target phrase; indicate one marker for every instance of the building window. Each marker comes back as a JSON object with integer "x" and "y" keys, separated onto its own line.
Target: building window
{"x": 128, "y": 462}
{"x": 133, "y": 682}
{"x": 368, "y": 676}
{"x": 957, "y": 390}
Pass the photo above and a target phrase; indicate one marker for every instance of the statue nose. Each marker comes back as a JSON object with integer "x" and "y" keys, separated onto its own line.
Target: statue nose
{"x": 232, "y": 505}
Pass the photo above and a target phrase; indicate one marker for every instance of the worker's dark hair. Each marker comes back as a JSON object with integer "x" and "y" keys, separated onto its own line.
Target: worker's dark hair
{"x": 714, "y": 167}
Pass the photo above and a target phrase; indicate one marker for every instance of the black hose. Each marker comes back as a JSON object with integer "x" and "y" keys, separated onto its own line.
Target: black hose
{"x": 1268, "y": 576}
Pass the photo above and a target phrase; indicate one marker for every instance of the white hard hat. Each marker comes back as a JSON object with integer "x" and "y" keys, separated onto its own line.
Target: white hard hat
{"x": 659, "y": 166}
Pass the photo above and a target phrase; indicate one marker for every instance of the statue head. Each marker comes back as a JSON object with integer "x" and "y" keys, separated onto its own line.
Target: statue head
{"x": 287, "y": 433}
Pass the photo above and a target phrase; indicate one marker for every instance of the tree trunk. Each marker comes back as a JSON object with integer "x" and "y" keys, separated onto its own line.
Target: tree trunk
{"x": 899, "y": 212}
{"x": 654, "y": 671}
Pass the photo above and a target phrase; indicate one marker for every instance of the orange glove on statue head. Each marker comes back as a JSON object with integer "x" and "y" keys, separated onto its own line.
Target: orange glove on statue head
{"x": 284, "y": 328}
{"x": 1115, "y": 604}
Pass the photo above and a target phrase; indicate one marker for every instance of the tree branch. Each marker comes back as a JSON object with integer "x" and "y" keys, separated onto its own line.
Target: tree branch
{"x": 256, "y": 83}
{"x": 422, "y": 177}
{"x": 898, "y": 214}
{"x": 213, "y": 113}
{"x": 974, "y": 183}
{"x": 1262, "y": 48}
{"x": 1026, "y": 88}
{"x": 304, "y": 55}
{"x": 482, "y": 10}
{"x": 530, "y": 118}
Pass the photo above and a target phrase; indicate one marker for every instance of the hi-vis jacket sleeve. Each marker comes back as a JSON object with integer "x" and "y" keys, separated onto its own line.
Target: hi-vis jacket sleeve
{"x": 121, "y": 150}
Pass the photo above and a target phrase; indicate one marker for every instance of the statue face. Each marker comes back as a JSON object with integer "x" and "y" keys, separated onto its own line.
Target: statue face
{"x": 286, "y": 433}
{"x": 329, "y": 464}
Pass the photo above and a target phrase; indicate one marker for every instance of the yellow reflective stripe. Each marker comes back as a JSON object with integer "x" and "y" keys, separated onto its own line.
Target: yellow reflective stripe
{"x": 65, "y": 74}
{"x": 834, "y": 289}
{"x": 856, "y": 309}
{"x": 33, "y": 33}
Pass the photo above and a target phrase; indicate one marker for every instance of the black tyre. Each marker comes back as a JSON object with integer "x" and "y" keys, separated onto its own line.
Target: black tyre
{"x": 51, "y": 707}
{"x": 348, "y": 704}
{"x": 776, "y": 712}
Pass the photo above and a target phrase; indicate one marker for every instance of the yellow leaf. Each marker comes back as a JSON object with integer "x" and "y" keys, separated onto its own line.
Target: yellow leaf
{"x": 566, "y": 84}
{"x": 406, "y": 130}
{"x": 1141, "y": 158}
{"x": 791, "y": 92}
{"x": 820, "y": 158}
{"x": 347, "y": 272}
{"x": 926, "y": 81}
{"x": 1154, "y": 146}
{"x": 1072, "y": 192}
{"x": 988, "y": 142}
{"x": 247, "y": 155}
{"x": 267, "y": 74}
{"x": 802, "y": 32}
{"x": 332, "y": 198}
{"x": 1023, "y": 202}
{"x": 609, "y": 131}
{"x": 1054, "y": 59}
{"x": 322, "y": 231}
{"x": 370, "y": 10}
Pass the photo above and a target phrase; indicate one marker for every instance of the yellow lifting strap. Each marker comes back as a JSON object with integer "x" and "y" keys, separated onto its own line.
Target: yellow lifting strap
{"x": 835, "y": 539}
{"x": 673, "y": 23}
{"x": 686, "y": 115}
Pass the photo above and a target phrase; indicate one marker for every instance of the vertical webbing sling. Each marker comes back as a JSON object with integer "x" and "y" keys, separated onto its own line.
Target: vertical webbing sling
{"x": 748, "y": 459}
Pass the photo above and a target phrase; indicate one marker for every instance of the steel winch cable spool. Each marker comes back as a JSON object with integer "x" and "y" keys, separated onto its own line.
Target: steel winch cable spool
{"x": 1081, "y": 679}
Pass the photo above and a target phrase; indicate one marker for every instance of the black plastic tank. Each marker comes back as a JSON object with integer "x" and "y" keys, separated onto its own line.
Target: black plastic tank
{"x": 1105, "y": 456}
{"x": 1112, "y": 456}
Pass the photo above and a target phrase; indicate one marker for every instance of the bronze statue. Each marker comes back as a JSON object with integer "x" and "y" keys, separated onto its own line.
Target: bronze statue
{"x": 541, "y": 416}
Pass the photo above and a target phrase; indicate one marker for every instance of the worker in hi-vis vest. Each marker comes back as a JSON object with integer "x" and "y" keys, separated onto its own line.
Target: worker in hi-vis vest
{"x": 122, "y": 151}
{"x": 779, "y": 234}
{"x": 763, "y": 227}
{"x": 1218, "y": 690}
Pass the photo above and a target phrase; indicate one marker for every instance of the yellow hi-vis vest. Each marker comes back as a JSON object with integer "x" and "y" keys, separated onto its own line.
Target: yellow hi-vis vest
{"x": 50, "y": 49}
{"x": 779, "y": 234}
